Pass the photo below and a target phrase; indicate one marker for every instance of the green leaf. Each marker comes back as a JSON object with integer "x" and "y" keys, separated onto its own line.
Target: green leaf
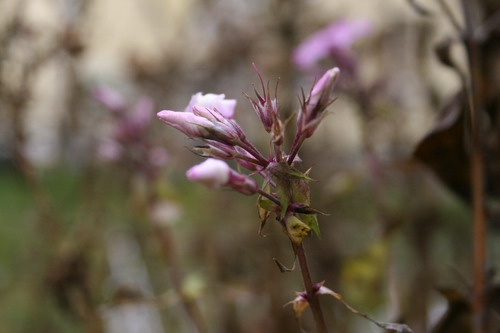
{"x": 283, "y": 191}
{"x": 301, "y": 192}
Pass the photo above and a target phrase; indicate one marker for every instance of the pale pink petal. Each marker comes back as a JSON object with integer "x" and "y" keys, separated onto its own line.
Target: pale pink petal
{"x": 186, "y": 122}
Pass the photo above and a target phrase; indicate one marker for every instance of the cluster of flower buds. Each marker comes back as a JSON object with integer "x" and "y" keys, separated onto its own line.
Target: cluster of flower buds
{"x": 130, "y": 141}
{"x": 209, "y": 118}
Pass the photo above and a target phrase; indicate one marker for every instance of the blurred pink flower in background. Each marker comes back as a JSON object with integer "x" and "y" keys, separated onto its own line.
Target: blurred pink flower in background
{"x": 110, "y": 98}
{"x": 135, "y": 124}
{"x": 333, "y": 41}
{"x": 130, "y": 140}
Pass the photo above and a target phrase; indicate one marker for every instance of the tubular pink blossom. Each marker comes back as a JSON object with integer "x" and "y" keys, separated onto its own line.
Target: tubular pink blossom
{"x": 334, "y": 40}
{"x": 213, "y": 101}
{"x": 211, "y": 173}
{"x": 186, "y": 122}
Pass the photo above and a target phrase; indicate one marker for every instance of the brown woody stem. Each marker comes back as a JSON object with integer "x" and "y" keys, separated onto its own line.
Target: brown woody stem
{"x": 474, "y": 94}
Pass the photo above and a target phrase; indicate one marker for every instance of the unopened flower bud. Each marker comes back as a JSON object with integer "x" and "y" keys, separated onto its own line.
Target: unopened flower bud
{"x": 216, "y": 173}
{"x": 186, "y": 122}
{"x": 211, "y": 173}
{"x": 320, "y": 97}
{"x": 223, "y": 130}
{"x": 322, "y": 91}
{"x": 216, "y": 149}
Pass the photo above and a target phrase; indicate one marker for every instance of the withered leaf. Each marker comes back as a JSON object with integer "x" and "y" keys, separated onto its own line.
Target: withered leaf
{"x": 443, "y": 150}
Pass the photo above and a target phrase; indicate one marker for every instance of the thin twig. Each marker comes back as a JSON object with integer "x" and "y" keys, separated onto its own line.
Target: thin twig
{"x": 449, "y": 14}
{"x": 477, "y": 168}
{"x": 312, "y": 297}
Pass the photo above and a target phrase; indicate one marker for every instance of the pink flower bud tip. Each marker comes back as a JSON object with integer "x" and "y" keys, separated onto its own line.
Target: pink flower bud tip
{"x": 326, "y": 80}
{"x": 186, "y": 122}
{"x": 211, "y": 173}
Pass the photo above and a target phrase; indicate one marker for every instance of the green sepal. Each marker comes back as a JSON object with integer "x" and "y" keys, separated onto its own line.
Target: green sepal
{"x": 280, "y": 170}
{"x": 312, "y": 221}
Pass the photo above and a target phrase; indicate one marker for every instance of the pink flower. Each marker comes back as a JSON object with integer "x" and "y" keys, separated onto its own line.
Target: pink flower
{"x": 186, "y": 122}
{"x": 132, "y": 127}
{"x": 213, "y": 101}
{"x": 157, "y": 156}
{"x": 109, "y": 98}
{"x": 334, "y": 40}
{"x": 211, "y": 173}
{"x": 109, "y": 150}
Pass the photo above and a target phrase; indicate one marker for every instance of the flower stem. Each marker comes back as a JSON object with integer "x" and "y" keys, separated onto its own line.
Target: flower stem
{"x": 297, "y": 143}
{"x": 312, "y": 297}
{"x": 474, "y": 94}
{"x": 270, "y": 197}
{"x": 254, "y": 152}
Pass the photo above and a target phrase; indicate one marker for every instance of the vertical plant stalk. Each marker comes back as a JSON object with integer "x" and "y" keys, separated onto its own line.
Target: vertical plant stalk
{"x": 477, "y": 169}
{"x": 166, "y": 239}
{"x": 167, "y": 245}
{"x": 312, "y": 297}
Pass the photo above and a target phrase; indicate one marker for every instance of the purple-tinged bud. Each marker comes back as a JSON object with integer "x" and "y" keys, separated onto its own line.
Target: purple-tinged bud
{"x": 186, "y": 122}
{"x": 213, "y": 101}
{"x": 110, "y": 98}
{"x": 216, "y": 149}
{"x": 323, "y": 89}
{"x": 242, "y": 183}
{"x": 224, "y": 130}
{"x": 211, "y": 173}
{"x": 320, "y": 97}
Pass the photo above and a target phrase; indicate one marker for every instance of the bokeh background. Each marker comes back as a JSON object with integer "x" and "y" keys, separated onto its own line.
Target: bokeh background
{"x": 101, "y": 232}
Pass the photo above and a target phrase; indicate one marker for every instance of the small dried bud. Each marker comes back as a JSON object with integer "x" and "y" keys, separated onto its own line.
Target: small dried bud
{"x": 265, "y": 107}
{"x": 296, "y": 229}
